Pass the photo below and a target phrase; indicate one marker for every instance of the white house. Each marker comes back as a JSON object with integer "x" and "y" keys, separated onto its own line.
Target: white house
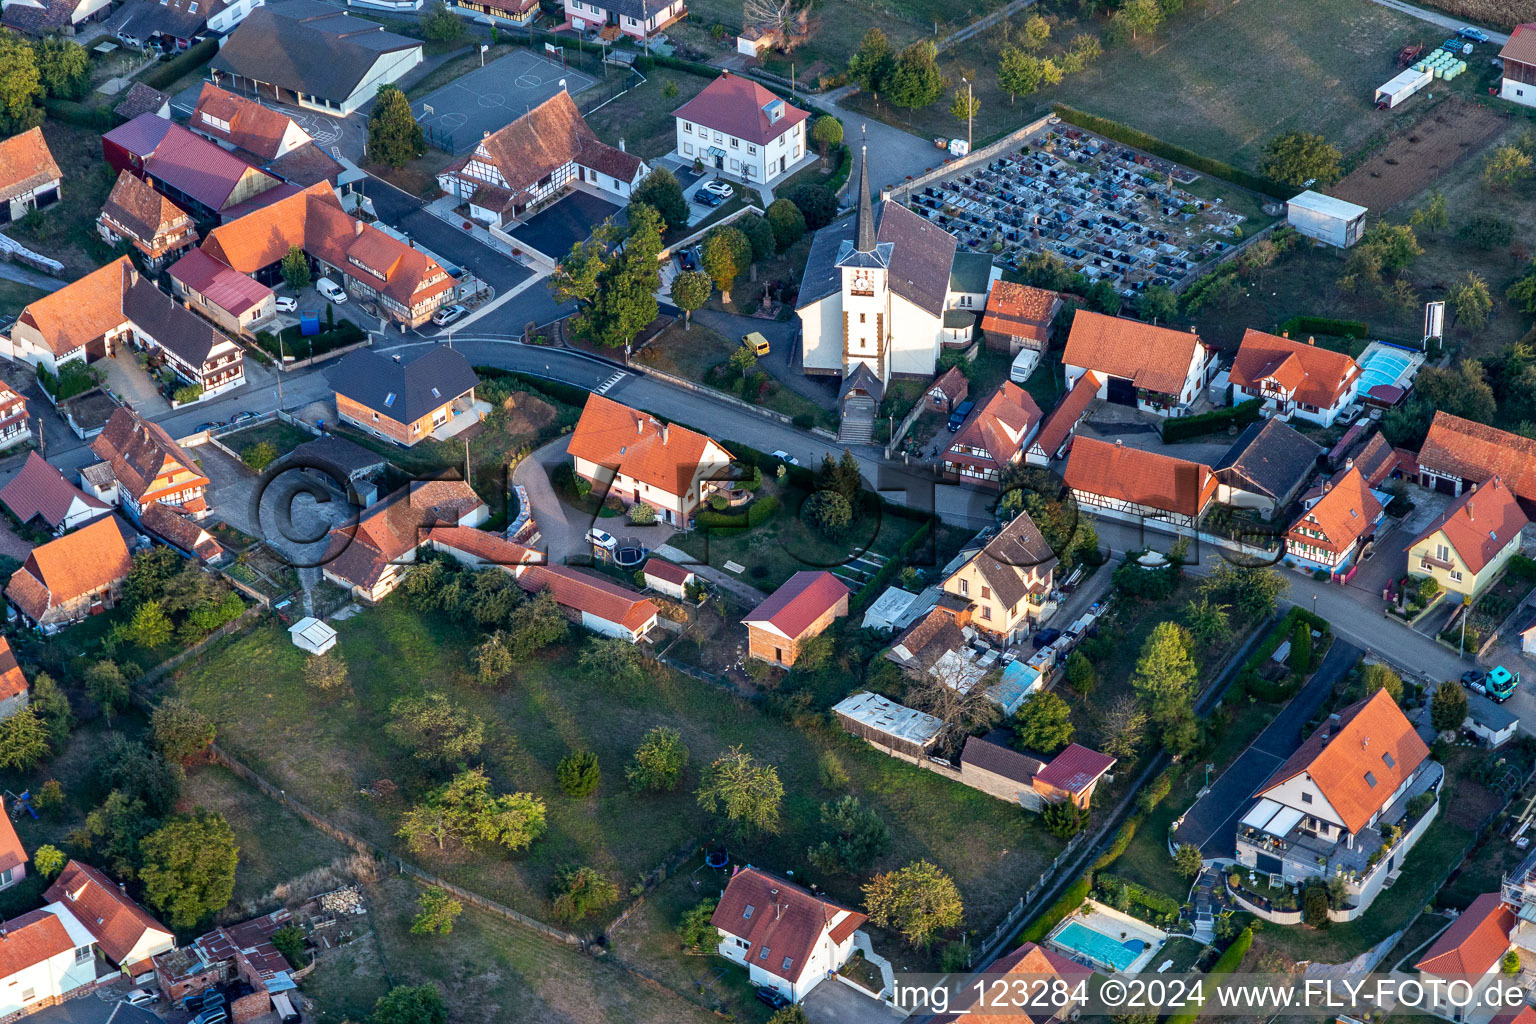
{"x": 1329, "y": 220}
{"x": 737, "y": 126}
{"x": 787, "y": 938}
{"x": 665, "y": 577}
{"x": 639, "y": 19}
{"x": 173, "y": 25}
{"x": 1294, "y": 379}
{"x": 45, "y": 955}
{"x": 29, "y": 177}
{"x": 1155, "y": 369}
{"x": 1518, "y": 82}
{"x": 1470, "y": 951}
{"x": 126, "y": 933}
{"x": 1339, "y": 805}
{"x": 595, "y": 601}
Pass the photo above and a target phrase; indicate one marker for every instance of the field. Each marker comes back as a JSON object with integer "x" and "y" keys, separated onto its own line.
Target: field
{"x": 1505, "y": 14}
{"x": 1414, "y": 159}
{"x": 642, "y": 117}
{"x": 323, "y": 751}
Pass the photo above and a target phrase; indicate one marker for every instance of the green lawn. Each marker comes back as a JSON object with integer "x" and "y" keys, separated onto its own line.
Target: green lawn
{"x": 15, "y": 297}
{"x": 642, "y": 117}
{"x": 323, "y": 751}
{"x": 66, "y": 231}
{"x": 285, "y": 437}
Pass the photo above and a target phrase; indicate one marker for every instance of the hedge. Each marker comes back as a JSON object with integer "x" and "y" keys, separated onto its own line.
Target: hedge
{"x": 1228, "y": 963}
{"x": 1521, "y": 566}
{"x": 1248, "y": 676}
{"x": 1168, "y": 151}
{"x": 1041, "y": 926}
{"x": 97, "y": 119}
{"x": 1182, "y": 428}
{"x": 1300, "y": 326}
{"x": 166, "y": 74}
{"x": 1156, "y": 902}
{"x": 1122, "y": 841}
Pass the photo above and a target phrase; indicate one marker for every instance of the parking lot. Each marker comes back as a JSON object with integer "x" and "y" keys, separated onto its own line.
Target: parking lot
{"x": 458, "y": 115}
{"x": 1115, "y": 214}
{"x": 554, "y": 229}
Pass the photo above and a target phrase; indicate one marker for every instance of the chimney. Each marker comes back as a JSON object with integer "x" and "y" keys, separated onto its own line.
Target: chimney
{"x": 1349, "y": 464}
{"x": 664, "y": 433}
{"x": 1118, "y": 442}
{"x": 1192, "y": 329}
{"x": 621, "y": 145}
{"x": 639, "y": 427}
{"x": 1285, "y": 334}
{"x": 1311, "y": 340}
{"x": 485, "y": 135}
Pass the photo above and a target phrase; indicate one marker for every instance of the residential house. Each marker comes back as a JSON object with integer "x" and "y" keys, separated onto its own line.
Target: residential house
{"x": 171, "y": 26}
{"x": 1294, "y": 379}
{"x": 1459, "y": 454}
{"x": 407, "y": 284}
{"x": 46, "y": 957}
{"x": 665, "y": 577}
{"x": 948, "y": 390}
{"x": 894, "y": 728}
{"x": 1007, "y": 582}
{"x": 803, "y": 607}
{"x": 1060, "y": 426}
{"x": 536, "y": 159}
{"x": 1155, "y": 369}
{"x": 1493, "y": 724}
{"x": 236, "y": 303}
{"x": 135, "y": 213}
{"x": 1073, "y": 774}
{"x": 1469, "y": 953}
{"x": 737, "y": 126}
{"x": 631, "y": 455}
{"x": 1467, "y": 547}
{"x": 521, "y": 13}
{"x": 52, "y": 17}
{"x": 15, "y": 426}
{"x": 1019, "y": 317}
{"x": 1335, "y": 526}
{"x": 310, "y": 54}
{"x": 592, "y": 601}
{"x": 940, "y": 646}
{"x": 29, "y": 177}
{"x": 15, "y": 695}
{"x": 143, "y": 99}
{"x": 78, "y": 575}
{"x": 125, "y": 931}
{"x": 40, "y": 493}
{"x": 207, "y": 181}
{"x": 988, "y": 764}
{"x": 1118, "y": 482}
{"x": 148, "y": 466}
{"x": 1380, "y": 462}
{"x": 480, "y": 549}
{"x": 994, "y": 437}
{"x": 405, "y": 402}
{"x": 1517, "y": 76}
{"x": 787, "y": 938}
{"x": 1266, "y": 468}
{"x": 638, "y": 19}
{"x": 1338, "y": 807}
{"x": 370, "y": 556}
{"x": 182, "y": 532}
{"x": 1037, "y": 970}
{"x": 262, "y": 136}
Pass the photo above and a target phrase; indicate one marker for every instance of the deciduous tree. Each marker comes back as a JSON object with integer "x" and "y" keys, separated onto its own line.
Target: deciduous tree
{"x": 1377, "y": 676}
{"x": 434, "y": 728}
{"x": 745, "y": 790}
{"x": 1470, "y": 301}
{"x": 872, "y": 63}
{"x": 438, "y": 911}
{"x": 465, "y": 812}
{"x": 1043, "y": 723}
{"x": 52, "y": 705}
{"x": 582, "y": 892}
{"x": 326, "y": 672}
{"x": 919, "y": 901}
{"x": 406, "y": 1004}
{"x": 1296, "y": 158}
{"x": 916, "y": 80}
{"x": 189, "y": 867}
{"x": 1506, "y": 167}
{"x": 21, "y": 85}
{"x": 182, "y": 731}
{"x": 63, "y": 67}
{"x": 727, "y": 253}
{"x": 826, "y": 132}
{"x": 107, "y": 686}
{"x": 817, "y": 204}
{"x": 787, "y": 221}
{"x": 659, "y": 761}
{"x": 690, "y": 290}
{"x": 661, "y": 192}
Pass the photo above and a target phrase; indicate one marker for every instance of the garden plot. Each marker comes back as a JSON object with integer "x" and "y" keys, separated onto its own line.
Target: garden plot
{"x": 1115, "y": 214}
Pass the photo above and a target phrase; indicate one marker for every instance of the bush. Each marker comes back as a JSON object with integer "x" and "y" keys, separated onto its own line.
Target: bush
{"x": 1226, "y": 964}
{"x": 96, "y": 119}
{"x": 260, "y": 455}
{"x": 1314, "y": 906}
{"x": 579, "y": 774}
{"x": 1181, "y": 428}
{"x": 166, "y": 74}
{"x": 1299, "y": 327}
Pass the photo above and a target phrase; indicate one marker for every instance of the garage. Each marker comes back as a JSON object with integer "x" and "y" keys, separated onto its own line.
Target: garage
{"x": 1121, "y": 391}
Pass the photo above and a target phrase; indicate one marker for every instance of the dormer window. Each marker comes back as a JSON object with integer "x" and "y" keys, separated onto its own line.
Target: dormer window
{"x": 764, "y": 954}
{"x": 746, "y": 915}
{"x": 1386, "y": 757}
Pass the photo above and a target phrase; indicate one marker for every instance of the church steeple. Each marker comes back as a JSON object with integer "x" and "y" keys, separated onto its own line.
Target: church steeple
{"x": 865, "y": 241}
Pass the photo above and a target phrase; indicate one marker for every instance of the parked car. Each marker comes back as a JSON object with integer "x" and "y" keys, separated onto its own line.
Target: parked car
{"x": 723, "y": 189}
{"x": 688, "y": 259}
{"x": 756, "y": 342}
{"x": 1477, "y": 35}
{"x": 773, "y": 997}
{"x": 210, "y": 425}
{"x": 452, "y": 270}
{"x": 242, "y": 417}
{"x": 1045, "y": 637}
{"x": 217, "y": 1015}
{"x": 448, "y": 314}
{"x": 141, "y": 997}
{"x": 601, "y": 539}
{"x": 784, "y": 456}
{"x": 704, "y": 197}
{"x": 331, "y": 290}
{"x": 287, "y": 303}
{"x": 957, "y": 418}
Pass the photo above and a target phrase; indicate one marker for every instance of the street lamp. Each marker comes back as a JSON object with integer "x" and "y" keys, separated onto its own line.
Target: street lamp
{"x": 1314, "y": 604}
{"x": 970, "y": 109}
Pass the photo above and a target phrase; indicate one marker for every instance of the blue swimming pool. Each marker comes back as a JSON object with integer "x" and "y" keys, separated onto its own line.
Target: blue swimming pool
{"x": 1383, "y": 365}
{"x": 1098, "y": 947}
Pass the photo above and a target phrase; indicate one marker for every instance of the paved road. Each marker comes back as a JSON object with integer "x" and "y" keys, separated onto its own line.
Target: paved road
{"x": 1436, "y": 18}
{"x": 895, "y": 155}
{"x": 1212, "y": 822}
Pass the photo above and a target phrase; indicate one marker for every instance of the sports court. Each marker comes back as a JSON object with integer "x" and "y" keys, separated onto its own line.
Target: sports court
{"x": 460, "y": 113}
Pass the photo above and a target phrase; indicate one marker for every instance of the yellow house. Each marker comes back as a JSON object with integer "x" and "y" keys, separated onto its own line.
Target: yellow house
{"x": 1467, "y": 547}
{"x": 1007, "y": 581}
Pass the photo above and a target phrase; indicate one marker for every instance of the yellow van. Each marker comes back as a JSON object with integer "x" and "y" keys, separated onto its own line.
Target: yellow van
{"x": 756, "y": 342}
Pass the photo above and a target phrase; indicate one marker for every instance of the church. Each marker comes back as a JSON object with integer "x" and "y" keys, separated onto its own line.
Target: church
{"x": 881, "y": 296}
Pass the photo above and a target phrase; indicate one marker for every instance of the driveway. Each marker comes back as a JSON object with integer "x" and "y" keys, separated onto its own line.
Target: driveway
{"x": 561, "y": 531}
{"x": 295, "y": 517}
{"x": 554, "y": 229}
{"x": 895, "y": 155}
{"x": 1211, "y": 824}
{"x": 832, "y": 1002}
{"x": 401, "y": 210}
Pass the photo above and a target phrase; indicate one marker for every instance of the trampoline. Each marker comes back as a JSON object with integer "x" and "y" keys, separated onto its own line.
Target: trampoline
{"x": 630, "y": 554}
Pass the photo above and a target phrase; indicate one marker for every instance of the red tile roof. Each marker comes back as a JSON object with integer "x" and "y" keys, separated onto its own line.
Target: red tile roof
{"x": 26, "y": 164}
{"x": 92, "y": 557}
{"x": 588, "y": 592}
{"x": 1476, "y": 452}
{"x": 1313, "y": 375}
{"x": 106, "y": 911}
{"x": 952, "y": 384}
{"x": 782, "y": 922}
{"x": 181, "y": 532}
{"x": 81, "y": 311}
{"x": 1474, "y": 942}
{"x": 147, "y": 463}
{"x": 134, "y": 208}
{"x": 999, "y": 426}
{"x": 1139, "y": 477}
{"x": 1075, "y": 768}
{"x": 805, "y": 597}
{"x": 31, "y": 939}
{"x": 252, "y": 126}
{"x": 1522, "y": 44}
{"x": 665, "y": 570}
{"x": 488, "y": 548}
{"x": 1058, "y": 426}
{"x": 1030, "y": 960}
{"x": 736, "y": 106}
{"x": 1479, "y": 523}
{"x": 1346, "y": 512}
{"x": 1357, "y": 758}
{"x": 13, "y": 683}
{"x": 12, "y": 853}
{"x": 1019, "y": 311}
{"x": 39, "y": 490}
{"x": 639, "y": 446}
{"x": 1154, "y": 358}
{"x": 385, "y": 532}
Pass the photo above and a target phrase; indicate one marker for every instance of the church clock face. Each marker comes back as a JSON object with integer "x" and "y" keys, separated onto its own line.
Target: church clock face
{"x": 863, "y": 282}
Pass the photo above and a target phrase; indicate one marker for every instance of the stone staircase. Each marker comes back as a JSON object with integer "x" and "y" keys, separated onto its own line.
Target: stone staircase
{"x": 858, "y": 422}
